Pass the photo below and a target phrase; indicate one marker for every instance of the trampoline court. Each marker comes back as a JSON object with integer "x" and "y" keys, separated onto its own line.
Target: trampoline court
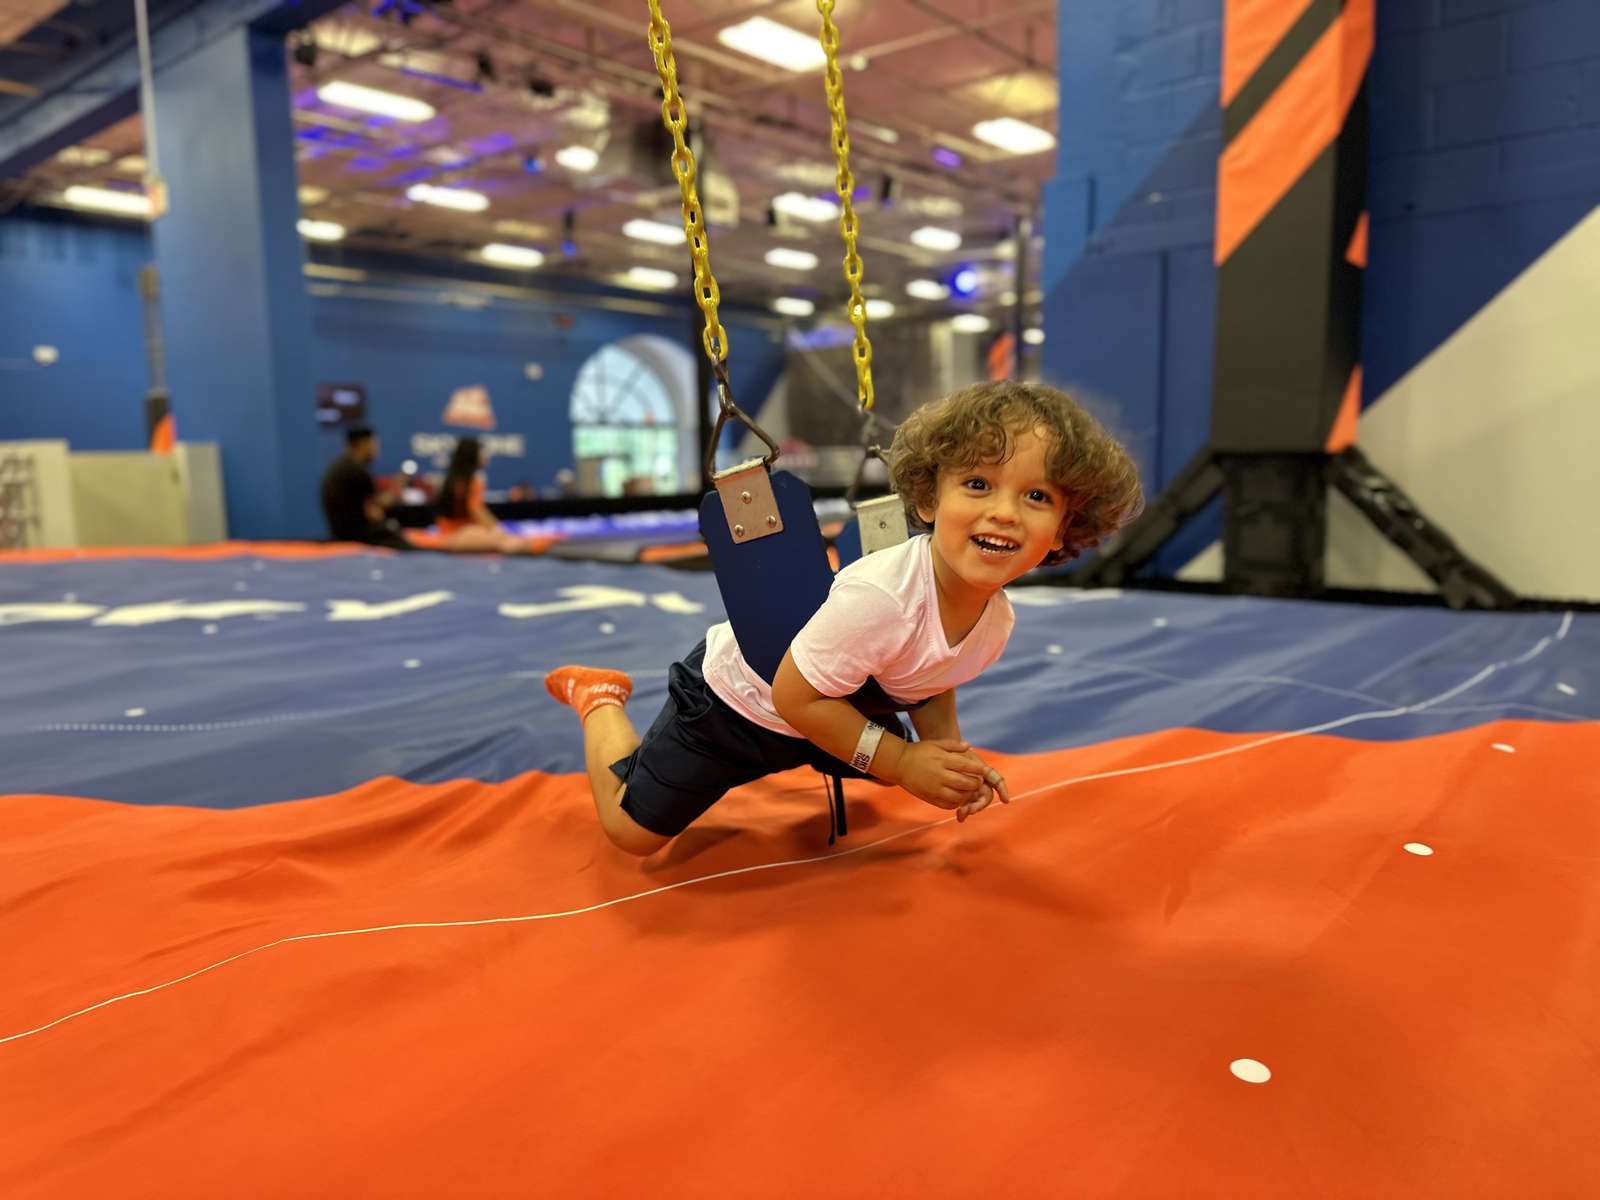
{"x": 303, "y": 895}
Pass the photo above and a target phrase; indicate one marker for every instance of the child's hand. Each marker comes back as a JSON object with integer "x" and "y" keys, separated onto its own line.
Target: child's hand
{"x": 943, "y": 772}
{"x": 994, "y": 783}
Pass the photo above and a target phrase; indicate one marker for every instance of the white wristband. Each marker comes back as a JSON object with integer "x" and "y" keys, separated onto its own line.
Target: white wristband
{"x": 867, "y": 746}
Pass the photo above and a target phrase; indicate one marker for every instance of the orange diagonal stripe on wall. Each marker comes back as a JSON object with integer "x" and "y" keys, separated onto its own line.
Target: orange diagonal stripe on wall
{"x": 1297, "y": 124}
{"x": 1343, "y": 434}
{"x": 1250, "y": 31}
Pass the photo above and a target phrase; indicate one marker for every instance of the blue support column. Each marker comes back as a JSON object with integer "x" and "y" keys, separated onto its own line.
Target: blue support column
{"x": 234, "y": 307}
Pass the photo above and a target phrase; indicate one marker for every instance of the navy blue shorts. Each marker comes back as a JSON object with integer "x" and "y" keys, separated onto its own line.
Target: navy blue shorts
{"x": 698, "y": 748}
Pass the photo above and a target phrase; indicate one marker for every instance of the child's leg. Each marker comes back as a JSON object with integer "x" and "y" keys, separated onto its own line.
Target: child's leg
{"x": 608, "y": 736}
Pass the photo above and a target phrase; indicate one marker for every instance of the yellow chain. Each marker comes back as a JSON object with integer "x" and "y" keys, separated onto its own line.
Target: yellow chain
{"x": 706, "y": 293}
{"x": 847, "y": 215}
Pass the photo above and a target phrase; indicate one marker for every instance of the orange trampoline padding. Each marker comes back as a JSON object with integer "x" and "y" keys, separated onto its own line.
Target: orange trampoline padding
{"x": 1044, "y": 1001}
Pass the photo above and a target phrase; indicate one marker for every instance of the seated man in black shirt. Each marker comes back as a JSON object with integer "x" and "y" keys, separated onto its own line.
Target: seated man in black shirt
{"x": 350, "y": 500}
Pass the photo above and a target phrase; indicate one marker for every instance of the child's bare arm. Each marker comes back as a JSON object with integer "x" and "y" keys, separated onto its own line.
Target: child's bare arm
{"x": 941, "y": 771}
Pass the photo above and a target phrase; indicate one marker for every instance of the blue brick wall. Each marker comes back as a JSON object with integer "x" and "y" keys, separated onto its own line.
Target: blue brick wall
{"x": 72, "y": 284}
{"x": 1485, "y": 151}
{"x": 1128, "y": 279}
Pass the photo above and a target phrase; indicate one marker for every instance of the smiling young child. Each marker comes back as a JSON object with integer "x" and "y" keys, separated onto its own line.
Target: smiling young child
{"x": 1005, "y": 476}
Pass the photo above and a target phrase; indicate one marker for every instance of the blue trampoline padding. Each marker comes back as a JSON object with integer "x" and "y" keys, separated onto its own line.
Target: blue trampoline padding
{"x": 772, "y": 585}
{"x": 246, "y": 708}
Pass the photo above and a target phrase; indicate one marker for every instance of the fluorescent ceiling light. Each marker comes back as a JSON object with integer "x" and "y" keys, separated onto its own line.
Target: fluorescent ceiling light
{"x": 132, "y": 164}
{"x": 969, "y": 323}
{"x": 577, "y": 158}
{"x": 931, "y": 237}
{"x": 459, "y": 199}
{"x": 794, "y": 306}
{"x": 927, "y": 289}
{"x": 313, "y": 195}
{"x": 1013, "y": 136}
{"x": 774, "y": 43}
{"x": 384, "y": 104}
{"x": 83, "y": 156}
{"x": 658, "y": 232}
{"x": 502, "y": 255}
{"x": 523, "y": 229}
{"x": 1008, "y": 298}
{"x": 1034, "y": 337}
{"x": 882, "y": 132}
{"x": 879, "y": 309}
{"x": 652, "y": 277}
{"x": 128, "y": 204}
{"x": 805, "y": 208}
{"x": 320, "y": 231}
{"x": 792, "y": 260}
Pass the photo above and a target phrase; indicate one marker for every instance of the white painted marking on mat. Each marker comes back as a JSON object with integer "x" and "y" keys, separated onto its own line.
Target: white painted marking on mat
{"x": 1566, "y": 689}
{"x": 1505, "y": 749}
{"x": 1053, "y": 648}
{"x": 411, "y": 664}
{"x": 1420, "y": 849}
{"x": 1249, "y": 1070}
{"x": 360, "y": 610}
{"x": 134, "y": 712}
{"x": 1476, "y": 679}
{"x": 1159, "y": 622}
{"x": 607, "y": 627}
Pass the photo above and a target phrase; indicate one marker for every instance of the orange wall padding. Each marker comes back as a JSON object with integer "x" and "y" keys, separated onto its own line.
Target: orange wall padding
{"x": 1346, "y": 423}
{"x": 1299, "y": 122}
{"x": 1251, "y": 30}
{"x": 1044, "y": 1001}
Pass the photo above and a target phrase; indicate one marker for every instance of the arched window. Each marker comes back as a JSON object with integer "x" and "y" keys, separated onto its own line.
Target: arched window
{"x": 624, "y": 426}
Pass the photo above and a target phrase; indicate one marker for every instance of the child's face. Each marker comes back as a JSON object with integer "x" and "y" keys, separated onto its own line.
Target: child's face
{"x": 995, "y": 522}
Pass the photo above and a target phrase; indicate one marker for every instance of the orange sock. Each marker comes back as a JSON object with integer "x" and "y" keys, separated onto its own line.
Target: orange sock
{"x": 588, "y": 688}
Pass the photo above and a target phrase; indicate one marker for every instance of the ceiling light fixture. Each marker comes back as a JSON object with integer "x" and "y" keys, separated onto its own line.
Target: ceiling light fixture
{"x": 384, "y": 104}
{"x": 577, "y": 158}
{"x": 879, "y": 309}
{"x": 1034, "y": 337}
{"x": 658, "y": 232}
{"x": 927, "y": 289}
{"x": 774, "y": 43}
{"x": 127, "y": 204}
{"x": 460, "y": 199}
{"x": 312, "y": 195}
{"x": 651, "y": 277}
{"x": 805, "y": 208}
{"x": 83, "y": 156}
{"x": 320, "y": 231}
{"x": 794, "y": 306}
{"x": 791, "y": 260}
{"x": 931, "y": 237}
{"x": 969, "y": 323}
{"x": 502, "y": 255}
{"x": 1013, "y": 136}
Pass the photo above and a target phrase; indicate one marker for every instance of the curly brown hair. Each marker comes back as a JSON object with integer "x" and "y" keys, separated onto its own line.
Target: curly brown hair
{"x": 979, "y": 423}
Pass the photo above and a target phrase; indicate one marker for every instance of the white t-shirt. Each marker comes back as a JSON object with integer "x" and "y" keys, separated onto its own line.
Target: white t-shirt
{"x": 880, "y": 621}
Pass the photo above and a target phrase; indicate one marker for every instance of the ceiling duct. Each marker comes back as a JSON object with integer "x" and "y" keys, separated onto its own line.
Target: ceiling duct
{"x": 645, "y": 157}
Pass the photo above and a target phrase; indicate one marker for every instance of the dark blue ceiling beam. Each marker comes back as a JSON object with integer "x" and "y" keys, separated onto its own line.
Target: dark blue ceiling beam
{"x": 101, "y": 87}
